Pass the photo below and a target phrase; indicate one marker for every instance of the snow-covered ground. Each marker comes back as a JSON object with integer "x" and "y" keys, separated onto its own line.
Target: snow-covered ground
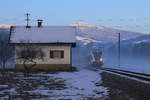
{"x": 83, "y": 84}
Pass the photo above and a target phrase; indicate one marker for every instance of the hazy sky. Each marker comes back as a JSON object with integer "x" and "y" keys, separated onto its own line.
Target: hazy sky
{"x": 131, "y": 15}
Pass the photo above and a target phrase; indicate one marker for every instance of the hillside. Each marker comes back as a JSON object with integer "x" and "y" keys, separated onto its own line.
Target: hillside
{"x": 102, "y": 34}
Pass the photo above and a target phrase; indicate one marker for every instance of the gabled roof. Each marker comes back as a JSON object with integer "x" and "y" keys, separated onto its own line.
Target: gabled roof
{"x": 43, "y": 35}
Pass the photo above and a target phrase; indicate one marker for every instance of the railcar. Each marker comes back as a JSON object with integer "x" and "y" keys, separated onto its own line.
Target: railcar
{"x": 96, "y": 58}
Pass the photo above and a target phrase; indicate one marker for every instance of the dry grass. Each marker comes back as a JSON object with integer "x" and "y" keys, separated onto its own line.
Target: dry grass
{"x": 18, "y": 85}
{"x": 121, "y": 88}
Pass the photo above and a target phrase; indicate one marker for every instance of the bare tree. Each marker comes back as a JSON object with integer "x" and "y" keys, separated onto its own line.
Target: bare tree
{"x": 28, "y": 54}
{"x": 6, "y": 51}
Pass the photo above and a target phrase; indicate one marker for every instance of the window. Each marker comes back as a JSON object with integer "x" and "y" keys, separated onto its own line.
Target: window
{"x": 56, "y": 54}
{"x": 28, "y": 54}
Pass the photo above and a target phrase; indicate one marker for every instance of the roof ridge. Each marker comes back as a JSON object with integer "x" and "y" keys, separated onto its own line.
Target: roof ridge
{"x": 45, "y": 26}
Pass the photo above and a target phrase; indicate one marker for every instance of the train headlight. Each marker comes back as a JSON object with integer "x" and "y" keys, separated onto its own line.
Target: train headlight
{"x": 101, "y": 59}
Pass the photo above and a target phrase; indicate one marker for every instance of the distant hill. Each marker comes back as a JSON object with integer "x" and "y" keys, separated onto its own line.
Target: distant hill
{"x": 140, "y": 39}
{"x": 102, "y": 34}
{"x": 146, "y": 32}
{"x": 3, "y": 26}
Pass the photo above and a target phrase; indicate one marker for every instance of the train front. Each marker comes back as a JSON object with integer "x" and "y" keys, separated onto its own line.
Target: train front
{"x": 96, "y": 58}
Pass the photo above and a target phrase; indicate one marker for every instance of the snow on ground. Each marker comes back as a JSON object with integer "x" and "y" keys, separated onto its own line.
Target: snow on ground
{"x": 83, "y": 84}
{"x": 80, "y": 84}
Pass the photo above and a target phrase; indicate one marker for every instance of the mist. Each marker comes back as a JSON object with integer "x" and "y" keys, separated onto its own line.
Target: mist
{"x": 130, "y": 58}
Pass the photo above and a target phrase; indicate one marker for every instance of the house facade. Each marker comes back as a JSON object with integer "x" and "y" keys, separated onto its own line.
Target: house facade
{"x": 43, "y": 47}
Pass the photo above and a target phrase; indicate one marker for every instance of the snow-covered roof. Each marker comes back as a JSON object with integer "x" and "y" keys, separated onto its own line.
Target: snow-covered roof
{"x": 45, "y": 34}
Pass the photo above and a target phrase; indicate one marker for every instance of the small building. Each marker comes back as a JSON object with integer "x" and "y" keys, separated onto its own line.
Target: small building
{"x": 56, "y": 43}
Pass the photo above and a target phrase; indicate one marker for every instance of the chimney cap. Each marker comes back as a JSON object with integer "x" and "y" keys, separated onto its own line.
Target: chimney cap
{"x": 39, "y": 20}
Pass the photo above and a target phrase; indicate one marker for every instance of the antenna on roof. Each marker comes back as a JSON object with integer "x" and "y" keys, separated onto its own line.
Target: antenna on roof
{"x": 27, "y": 15}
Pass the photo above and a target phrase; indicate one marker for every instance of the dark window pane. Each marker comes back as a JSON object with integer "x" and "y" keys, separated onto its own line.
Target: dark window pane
{"x": 57, "y": 54}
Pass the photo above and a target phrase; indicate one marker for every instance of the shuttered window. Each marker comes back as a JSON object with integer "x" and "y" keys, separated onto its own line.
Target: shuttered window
{"x": 51, "y": 54}
{"x": 62, "y": 54}
{"x": 56, "y": 54}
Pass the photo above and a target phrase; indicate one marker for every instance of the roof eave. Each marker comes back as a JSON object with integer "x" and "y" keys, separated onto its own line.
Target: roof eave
{"x": 73, "y": 44}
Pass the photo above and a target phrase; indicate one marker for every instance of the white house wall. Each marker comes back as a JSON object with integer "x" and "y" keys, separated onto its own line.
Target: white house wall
{"x": 47, "y": 59}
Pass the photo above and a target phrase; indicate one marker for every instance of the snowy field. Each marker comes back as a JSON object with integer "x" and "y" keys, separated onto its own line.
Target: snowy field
{"x": 80, "y": 85}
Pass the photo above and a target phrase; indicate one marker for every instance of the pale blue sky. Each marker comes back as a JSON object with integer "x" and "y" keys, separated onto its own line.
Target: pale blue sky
{"x": 131, "y": 15}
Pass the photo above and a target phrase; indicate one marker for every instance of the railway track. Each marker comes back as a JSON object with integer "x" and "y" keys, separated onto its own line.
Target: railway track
{"x": 141, "y": 76}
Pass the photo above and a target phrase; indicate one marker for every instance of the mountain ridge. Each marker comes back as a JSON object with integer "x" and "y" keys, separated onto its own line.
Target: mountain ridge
{"x": 101, "y": 33}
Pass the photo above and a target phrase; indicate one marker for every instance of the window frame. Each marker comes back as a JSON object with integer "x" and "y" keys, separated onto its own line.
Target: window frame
{"x": 51, "y": 54}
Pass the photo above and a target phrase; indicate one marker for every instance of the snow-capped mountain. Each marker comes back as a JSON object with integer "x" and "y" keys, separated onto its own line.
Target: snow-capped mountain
{"x": 146, "y": 32}
{"x": 93, "y": 33}
{"x": 140, "y": 39}
{"x": 4, "y": 29}
{"x": 4, "y": 26}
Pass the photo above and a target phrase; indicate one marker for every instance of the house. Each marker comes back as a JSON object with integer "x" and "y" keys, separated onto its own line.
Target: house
{"x": 55, "y": 42}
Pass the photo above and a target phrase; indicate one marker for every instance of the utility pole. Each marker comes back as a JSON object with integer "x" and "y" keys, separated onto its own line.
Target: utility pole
{"x": 118, "y": 49}
{"x": 27, "y": 15}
